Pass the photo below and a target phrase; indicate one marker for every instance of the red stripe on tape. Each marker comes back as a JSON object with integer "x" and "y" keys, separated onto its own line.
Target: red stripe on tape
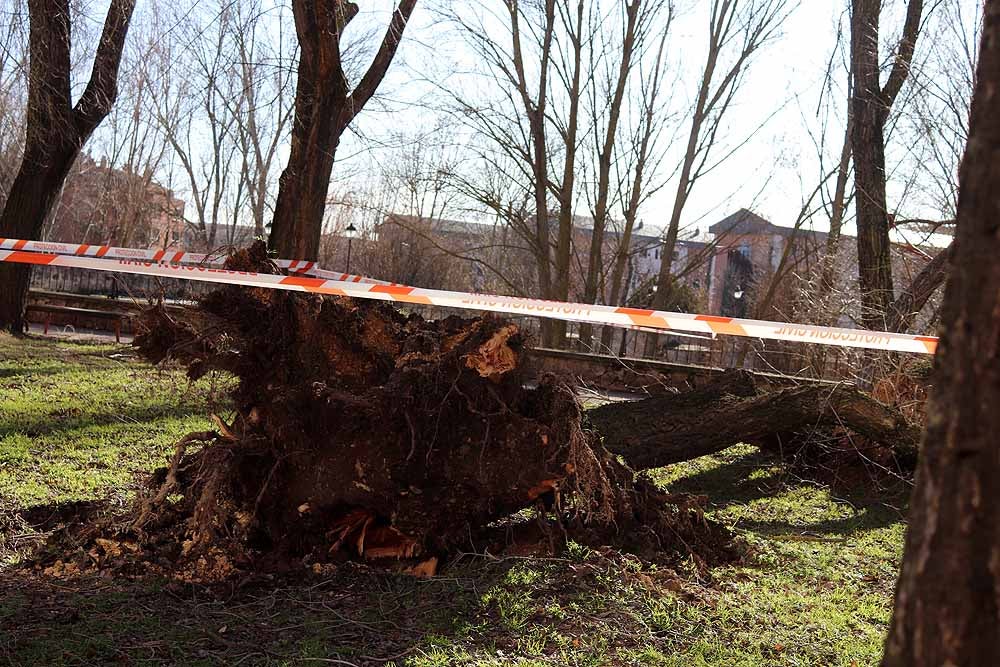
{"x": 634, "y": 311}
{"x": 20, "y": 244}
{"x": 930, "y": 343}
{"x": 31, "y": 257}
{"x": 311, "y": 283}
{"x": 103, "y": 251}
{"x": 395, "y": 290}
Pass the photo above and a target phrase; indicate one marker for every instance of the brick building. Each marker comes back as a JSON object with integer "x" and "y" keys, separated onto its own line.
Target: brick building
{"x": 105, "y": 205}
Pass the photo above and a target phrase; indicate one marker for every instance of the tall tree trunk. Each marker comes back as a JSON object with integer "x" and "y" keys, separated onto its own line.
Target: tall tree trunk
{"x": 324, "y": 108}
{"x": 56, "y": 130}
{"x": 948, "y": 596}
{"x": 870, "y": 106}
{"x": 320, "y": 96}
{"x": 595, "y": 261}
{"x": 33, "y": 194}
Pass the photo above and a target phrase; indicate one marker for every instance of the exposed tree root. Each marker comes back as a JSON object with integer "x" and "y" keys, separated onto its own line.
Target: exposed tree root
{"x": 360, "y": 432}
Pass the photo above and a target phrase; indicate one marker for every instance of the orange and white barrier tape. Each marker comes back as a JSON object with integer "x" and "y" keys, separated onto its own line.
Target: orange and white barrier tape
{"x": 294, "y": 266}
{"x": 577, "y": 312}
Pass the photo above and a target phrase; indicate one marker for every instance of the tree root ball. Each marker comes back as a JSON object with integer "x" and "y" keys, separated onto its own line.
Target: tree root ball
{"x": 360, "y": 432}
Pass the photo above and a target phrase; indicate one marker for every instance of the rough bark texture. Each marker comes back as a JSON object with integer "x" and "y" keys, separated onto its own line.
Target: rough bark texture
{"x": 671, "y": 428}
{"x": 948, "y": 597}
{"x": 360, "y": 431}
{"x": 324, "y": 107}
{"x": 870, "y": 106}
{"x": 923, "y": 286}
{"x": 56, "y": 130}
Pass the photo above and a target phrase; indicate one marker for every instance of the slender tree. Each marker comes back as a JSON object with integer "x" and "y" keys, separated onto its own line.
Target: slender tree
{"x": 871, "y": 103}
{"x": 947, "y": 605}
{"x": 740, "y": 29}
{"x": 56, "y": 129}
{"x": 325, "y": 105}
{"x": 637, "y": 18}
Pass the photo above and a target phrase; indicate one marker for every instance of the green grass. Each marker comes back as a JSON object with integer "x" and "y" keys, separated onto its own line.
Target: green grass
{"x": 81, "y": 422}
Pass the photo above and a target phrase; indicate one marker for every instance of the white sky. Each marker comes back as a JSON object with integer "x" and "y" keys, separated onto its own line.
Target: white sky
{"x": 771, "y": 173}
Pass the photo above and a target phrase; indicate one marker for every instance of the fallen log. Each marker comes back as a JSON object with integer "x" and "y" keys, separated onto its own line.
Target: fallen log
{"x": 360, "y": 432}
{"x": 671, "y": 428}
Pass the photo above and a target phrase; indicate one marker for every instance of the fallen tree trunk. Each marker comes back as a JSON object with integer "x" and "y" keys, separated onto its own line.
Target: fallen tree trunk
{"x": 358, "y": 431}
{"x": 671, "y": 428}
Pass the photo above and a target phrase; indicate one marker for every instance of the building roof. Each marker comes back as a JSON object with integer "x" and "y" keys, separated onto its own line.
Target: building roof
{"x": 745, "y": 221}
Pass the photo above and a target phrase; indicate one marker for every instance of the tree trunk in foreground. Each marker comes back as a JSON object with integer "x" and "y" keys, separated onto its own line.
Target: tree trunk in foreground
{"x": 56, "y": 130}
{"x": 947, "y": 607}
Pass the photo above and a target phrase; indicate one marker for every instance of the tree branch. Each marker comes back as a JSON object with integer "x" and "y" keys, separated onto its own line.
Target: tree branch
{"x": 102, "y": 89}
{"x": 376, "y": 71}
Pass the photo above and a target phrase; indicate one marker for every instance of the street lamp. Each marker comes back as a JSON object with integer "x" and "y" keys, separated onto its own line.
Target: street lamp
{"x": 350, "y": 237}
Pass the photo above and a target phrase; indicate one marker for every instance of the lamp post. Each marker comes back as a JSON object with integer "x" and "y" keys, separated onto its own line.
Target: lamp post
{"x": 350, "y": 237}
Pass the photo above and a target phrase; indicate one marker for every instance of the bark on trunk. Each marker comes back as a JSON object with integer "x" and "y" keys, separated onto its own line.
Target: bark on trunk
{"x": 56, "y": 130}
{"x": 324, "y": 107}
{"x": 870, "y": 106}
{"x": 32, "y": 196}
{"x": 947, "y": 606}
{"x": 671, "y": 428}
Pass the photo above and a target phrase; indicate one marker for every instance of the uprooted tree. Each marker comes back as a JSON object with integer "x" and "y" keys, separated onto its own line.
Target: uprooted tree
{"x": 359, "y": 431}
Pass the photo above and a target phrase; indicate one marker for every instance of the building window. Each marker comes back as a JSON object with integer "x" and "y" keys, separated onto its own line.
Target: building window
{"x": 657, "y": 253}
{"x": 745, "y": 250}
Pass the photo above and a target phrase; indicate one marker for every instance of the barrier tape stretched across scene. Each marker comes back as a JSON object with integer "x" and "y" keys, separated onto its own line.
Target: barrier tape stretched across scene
{"x": 576, "y": 312}
{"x": 294, "y": 266}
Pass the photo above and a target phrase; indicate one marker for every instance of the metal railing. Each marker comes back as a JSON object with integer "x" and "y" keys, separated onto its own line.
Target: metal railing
{"x": 787, "y": 358}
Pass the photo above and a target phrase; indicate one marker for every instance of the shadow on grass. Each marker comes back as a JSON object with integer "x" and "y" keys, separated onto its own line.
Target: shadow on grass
{"x": 356, "y": 616}
{"x": 36, "y": 371}
{"x": 734, "y": 482}
{"x": 758, "y": 475}
{"x": 50, "y": 423}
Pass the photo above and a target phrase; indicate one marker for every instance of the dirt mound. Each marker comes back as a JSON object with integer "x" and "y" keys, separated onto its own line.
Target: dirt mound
{"x": 359, "y": 432}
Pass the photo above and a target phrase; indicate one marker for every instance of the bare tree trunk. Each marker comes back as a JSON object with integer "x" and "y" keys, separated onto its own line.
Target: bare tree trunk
{"x": 604, "y": 158}
{"x": 56, "y": 129}
{"x": 324, "y": 107}
{"x": 948, "y": 596}
{"x": 650, "y": 91}
{"x": 870, "y": 106}
{"x": 751, "y": 26}
{"x": 566, "y": 189}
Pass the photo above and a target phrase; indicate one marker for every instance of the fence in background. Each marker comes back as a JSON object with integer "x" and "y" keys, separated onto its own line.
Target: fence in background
{"x": 797, "y": 359}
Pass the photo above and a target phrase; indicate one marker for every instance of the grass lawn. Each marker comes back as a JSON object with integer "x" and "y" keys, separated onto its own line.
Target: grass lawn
{"x": 85, "y": 421}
